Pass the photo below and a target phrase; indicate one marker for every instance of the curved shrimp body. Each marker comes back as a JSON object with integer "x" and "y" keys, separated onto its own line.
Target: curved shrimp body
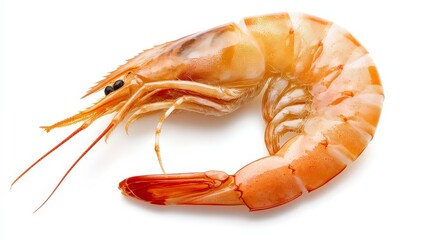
{"x": 322, "y": 104}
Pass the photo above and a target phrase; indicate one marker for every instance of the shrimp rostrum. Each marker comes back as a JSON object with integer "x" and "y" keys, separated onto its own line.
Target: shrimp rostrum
{"x": 322, "y": 102}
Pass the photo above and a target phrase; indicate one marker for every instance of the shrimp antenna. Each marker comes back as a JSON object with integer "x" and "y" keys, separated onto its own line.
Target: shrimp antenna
{"x": 46, "y": 154}
{"x": 111, "y": 125}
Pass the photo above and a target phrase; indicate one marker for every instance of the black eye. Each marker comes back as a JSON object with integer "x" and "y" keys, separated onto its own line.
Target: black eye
{"x": 108, "y": 90}
{"x": 119, "y": 83}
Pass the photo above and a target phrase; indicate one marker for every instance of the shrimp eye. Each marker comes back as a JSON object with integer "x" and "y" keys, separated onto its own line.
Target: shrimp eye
{"x": 119, "y": 83}
{"x": 108, "y": 90}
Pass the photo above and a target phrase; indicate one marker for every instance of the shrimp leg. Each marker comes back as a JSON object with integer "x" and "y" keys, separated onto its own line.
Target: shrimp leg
{"x": 181, "y": 101}
{"x": 198, "y": 88}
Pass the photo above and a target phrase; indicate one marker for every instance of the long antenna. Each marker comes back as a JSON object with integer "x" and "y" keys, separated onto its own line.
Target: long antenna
{"x": 111, "y": 125}
{"x": 46, "y": 154}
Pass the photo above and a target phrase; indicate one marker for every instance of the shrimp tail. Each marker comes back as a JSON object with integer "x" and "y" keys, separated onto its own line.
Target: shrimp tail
{"x": 203, "y": 188}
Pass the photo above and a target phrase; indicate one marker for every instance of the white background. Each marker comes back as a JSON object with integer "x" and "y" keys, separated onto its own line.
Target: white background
{"x": 53, "y": 51}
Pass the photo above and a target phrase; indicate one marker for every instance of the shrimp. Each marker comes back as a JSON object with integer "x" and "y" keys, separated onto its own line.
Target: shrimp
{"x": 322, "y": 102}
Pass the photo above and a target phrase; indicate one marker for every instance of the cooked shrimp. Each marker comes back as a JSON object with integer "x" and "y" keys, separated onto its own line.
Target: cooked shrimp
{"x": 322, "y": 103}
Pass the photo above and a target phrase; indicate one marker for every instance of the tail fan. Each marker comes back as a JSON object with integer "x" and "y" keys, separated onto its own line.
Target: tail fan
{"x": 208, "y": 188}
